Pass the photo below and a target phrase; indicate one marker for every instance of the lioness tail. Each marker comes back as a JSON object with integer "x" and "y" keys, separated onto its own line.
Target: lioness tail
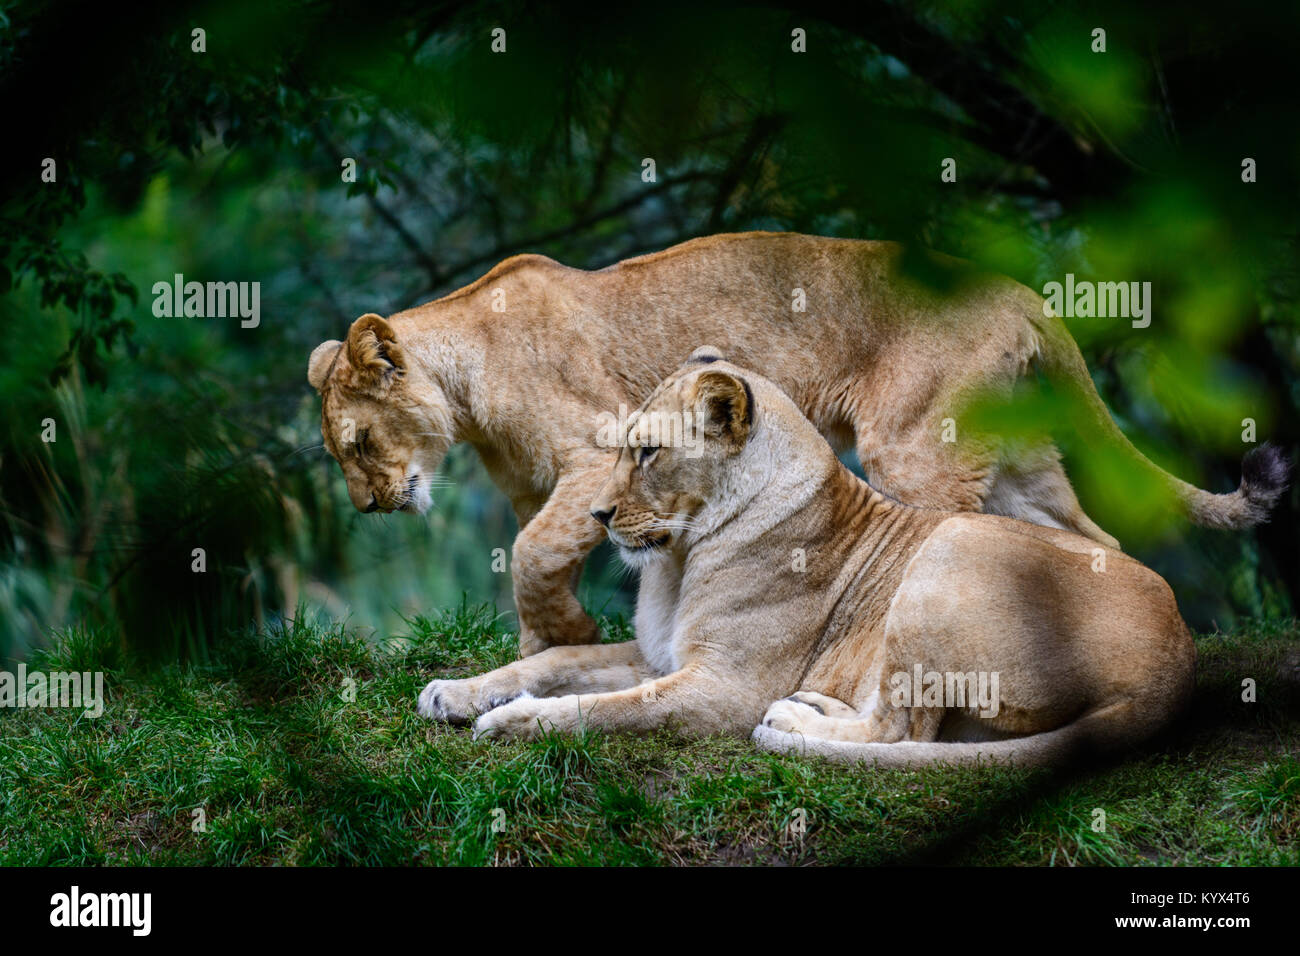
{"x": 1038, "y": 750}
{"x": 1265, "y": 470}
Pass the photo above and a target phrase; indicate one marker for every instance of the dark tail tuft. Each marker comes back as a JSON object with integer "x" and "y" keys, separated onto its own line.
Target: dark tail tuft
{"x": 1265, "y": 473}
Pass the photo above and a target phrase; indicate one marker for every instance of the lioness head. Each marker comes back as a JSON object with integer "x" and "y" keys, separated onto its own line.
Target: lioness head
{"x": 677, "y": 457}
{"x": 384, "y": 421}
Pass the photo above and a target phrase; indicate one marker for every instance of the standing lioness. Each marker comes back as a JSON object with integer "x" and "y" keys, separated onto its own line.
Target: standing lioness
{"x": 531, "y": 364}
{"x": 768, "y": 568}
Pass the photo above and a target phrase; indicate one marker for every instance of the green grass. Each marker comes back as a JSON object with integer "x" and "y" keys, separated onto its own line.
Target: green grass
{"x": 288, "y": 770}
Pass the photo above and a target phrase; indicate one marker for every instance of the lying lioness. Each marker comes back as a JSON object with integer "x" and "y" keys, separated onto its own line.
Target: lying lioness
{"x": 778, "y": 589}
{"x": 531, "y": 364}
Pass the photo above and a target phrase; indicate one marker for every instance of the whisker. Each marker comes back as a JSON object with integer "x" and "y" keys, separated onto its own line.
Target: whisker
{"x": 678, "y": 515}
{"x": 677, "y": 522}
{"x": 623, "y": 571}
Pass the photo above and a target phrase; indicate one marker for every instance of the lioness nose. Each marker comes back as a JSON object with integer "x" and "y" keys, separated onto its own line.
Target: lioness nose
{"x": 373, "y": 506}
{"x": 604, "y": 517}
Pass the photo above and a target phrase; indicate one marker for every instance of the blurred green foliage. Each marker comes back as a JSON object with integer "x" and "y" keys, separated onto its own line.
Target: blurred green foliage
{"x": 224, "y": 165}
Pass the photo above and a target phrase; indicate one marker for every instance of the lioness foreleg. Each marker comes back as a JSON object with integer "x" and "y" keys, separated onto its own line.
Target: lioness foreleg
{"x": 694, "y": 700}
{"x": 547, "y": 561}
{"x": 563, "y": 670}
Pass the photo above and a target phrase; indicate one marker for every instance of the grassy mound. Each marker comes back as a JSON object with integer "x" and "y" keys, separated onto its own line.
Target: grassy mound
{"x": 302, "y": 746}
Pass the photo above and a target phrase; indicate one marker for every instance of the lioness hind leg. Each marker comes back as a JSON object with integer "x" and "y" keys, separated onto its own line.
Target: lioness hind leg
{"x": 797, "y": 716}
{"x": 803, "y": 713}
{"x": 918, "y": 468}
{"x": 926, "y": 461}
{"x": 1037, "y": 490}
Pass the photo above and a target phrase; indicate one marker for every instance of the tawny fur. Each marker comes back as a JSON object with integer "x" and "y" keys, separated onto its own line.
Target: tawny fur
{"x": 770, "y": 570}
{"x": 523, "y": 363}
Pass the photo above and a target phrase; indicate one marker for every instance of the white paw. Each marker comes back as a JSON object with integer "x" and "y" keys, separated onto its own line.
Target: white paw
{"x": 527, "y": 718}
{"x": 459, "y": 701}
{"x": 789, "y": 716}
{"x": 436, "y": 701}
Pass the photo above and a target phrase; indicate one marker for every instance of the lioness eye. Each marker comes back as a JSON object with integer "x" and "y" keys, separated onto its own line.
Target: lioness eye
{"x": 647, "y": 452}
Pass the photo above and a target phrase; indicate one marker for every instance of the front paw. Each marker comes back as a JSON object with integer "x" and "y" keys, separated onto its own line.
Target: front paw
{"x": 459, "y": 701}
{"x": 529, "y": 718}
{"x": 790, "y": 716}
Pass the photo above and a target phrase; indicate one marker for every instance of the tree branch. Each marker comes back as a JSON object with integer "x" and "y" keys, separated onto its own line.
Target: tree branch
{"x": 1003, "y": 113}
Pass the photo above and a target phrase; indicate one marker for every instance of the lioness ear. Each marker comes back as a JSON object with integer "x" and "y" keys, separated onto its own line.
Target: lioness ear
{"x": 373, "y": 351}
{"x": 322, "y": 359}
{"x": 726, "y": 406}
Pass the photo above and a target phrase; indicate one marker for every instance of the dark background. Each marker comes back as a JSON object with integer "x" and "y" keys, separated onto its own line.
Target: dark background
{"x": 225, "y": 165}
